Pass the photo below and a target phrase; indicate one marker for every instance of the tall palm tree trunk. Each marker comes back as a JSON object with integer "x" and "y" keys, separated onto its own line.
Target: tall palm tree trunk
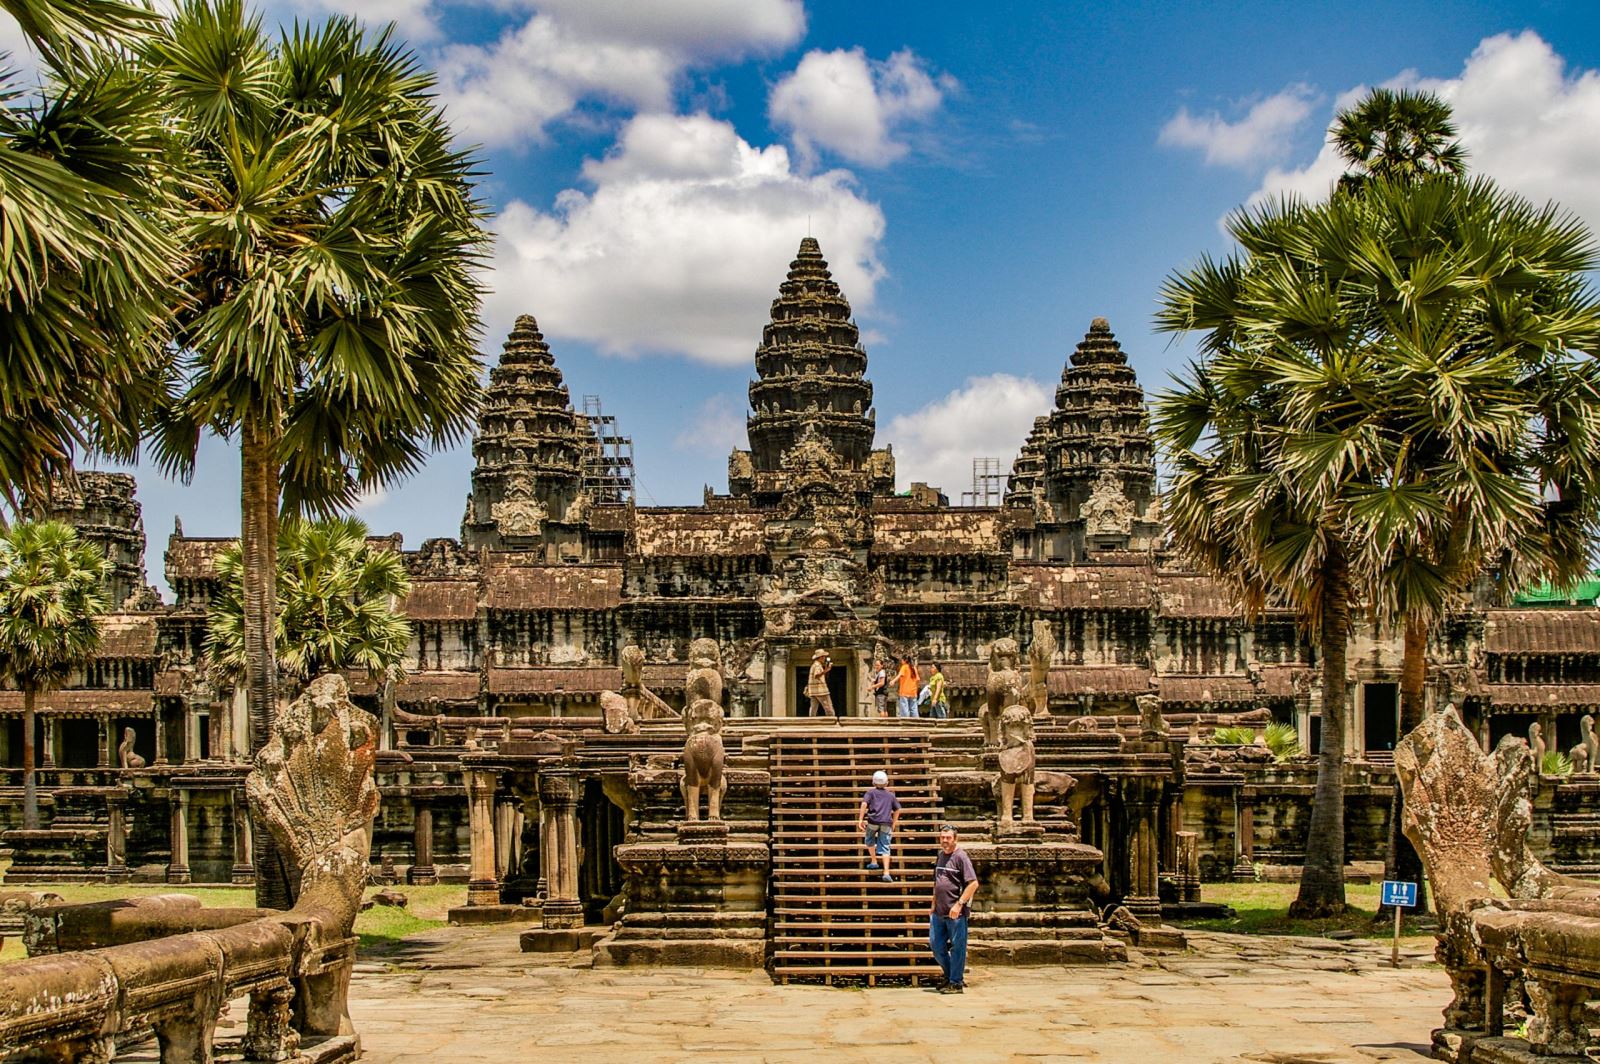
{"x": 258, "y": 544}
{"x": 1403, "y": 862}
{"x": 30, "y": 786}
{"x": 1322, "y": 877}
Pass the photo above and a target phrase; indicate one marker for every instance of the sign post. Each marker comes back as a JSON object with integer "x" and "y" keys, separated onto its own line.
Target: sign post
{"x": 1398, "y": 895}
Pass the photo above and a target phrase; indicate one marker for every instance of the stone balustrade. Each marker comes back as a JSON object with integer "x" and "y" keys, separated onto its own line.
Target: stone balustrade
{"x": 165, "y": 965}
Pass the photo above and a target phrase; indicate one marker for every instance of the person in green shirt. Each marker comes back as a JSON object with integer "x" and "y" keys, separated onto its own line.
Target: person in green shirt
{"x": 938, "y": 698}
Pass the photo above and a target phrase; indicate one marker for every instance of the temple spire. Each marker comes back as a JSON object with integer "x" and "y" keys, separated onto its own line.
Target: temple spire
{"x": 528, "y": 449}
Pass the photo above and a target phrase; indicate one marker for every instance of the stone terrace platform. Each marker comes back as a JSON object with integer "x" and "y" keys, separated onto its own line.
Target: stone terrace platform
{"x": 468, "y": 996}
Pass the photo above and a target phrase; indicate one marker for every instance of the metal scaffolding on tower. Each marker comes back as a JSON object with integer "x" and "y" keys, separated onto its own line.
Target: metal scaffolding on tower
{"x": 608, "y": 460}
{"x": 988, "y": 483}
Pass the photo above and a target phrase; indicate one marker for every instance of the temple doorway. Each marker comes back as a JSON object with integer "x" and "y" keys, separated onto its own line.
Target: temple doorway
{"x": 1380, "y": 716}
{"x": 600, "y": 830}
{"x": 839, "y": 685}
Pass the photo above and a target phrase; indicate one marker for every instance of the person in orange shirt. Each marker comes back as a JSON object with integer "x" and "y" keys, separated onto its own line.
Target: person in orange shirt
{"x": 906, "y": 684}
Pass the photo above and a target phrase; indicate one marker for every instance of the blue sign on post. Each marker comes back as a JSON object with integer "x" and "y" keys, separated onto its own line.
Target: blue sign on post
{"x": 1399, "y": 894}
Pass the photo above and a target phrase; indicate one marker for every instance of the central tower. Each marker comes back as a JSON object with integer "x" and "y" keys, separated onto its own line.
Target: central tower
{"x": 811, "y": 386}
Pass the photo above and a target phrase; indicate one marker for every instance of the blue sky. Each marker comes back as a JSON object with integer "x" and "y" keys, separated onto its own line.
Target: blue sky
{"x": 986, "y": 178}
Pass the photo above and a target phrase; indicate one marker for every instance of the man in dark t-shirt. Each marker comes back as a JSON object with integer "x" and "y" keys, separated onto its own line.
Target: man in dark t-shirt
{"x": 954, "y": 884}
{"x": 879, "y": 816}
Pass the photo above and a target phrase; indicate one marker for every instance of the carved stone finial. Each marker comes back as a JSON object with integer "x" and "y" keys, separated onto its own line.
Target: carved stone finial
{"x": 1152, "y": 725}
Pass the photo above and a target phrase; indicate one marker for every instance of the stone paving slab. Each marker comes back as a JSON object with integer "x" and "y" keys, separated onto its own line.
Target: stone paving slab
{"x": 469, "y": 995}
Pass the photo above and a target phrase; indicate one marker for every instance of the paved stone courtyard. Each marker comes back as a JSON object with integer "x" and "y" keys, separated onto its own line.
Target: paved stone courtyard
{"x": 468, "y": 996}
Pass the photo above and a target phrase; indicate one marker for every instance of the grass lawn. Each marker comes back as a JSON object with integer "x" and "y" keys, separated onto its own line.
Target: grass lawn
{"x": 1263, "y": 909}
{"x": 378, "y": 928}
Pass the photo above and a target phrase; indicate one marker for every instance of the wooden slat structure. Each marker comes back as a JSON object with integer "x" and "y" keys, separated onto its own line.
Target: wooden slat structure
{"x": 832, "y": 919}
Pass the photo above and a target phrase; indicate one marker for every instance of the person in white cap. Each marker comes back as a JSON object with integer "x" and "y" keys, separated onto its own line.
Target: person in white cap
{"x": 879, "y": 816}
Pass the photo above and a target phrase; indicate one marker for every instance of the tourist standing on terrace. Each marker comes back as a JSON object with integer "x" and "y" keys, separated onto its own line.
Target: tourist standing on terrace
{"x": 880, "y": 687}
{"x": 954, "y": 883}
{"x": 817, "y": 686}
{"x": 879, "y": 816}
{"x": 906, "y": 681}
{"x": 938, "y": 697}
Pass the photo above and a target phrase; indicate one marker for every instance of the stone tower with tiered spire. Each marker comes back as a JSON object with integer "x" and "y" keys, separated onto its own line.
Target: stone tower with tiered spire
{"x": 1090, "y": 467}
{"x": 527, "y": 455}
{"x": 811, "y": 386}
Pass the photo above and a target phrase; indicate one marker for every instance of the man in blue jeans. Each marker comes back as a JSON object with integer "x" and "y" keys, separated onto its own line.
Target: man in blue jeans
{"x": 954, "y": 884}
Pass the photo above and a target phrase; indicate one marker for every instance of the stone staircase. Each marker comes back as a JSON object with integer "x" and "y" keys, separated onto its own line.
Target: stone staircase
{"x": 831, "y": 918}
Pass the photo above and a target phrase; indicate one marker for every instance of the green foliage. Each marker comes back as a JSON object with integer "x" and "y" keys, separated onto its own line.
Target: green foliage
{"x": 1399, "y": 371}
{"x": 51, "y": 601}
{"x": 1397, "y": 135}
{"x": 1283, "y": 740}
{"x": 331, "y": 243}
{"x": 1555, "y": 763}
{"x": 338, "y": 600}
{"x": 85, "y": 258}
{"x": 1239, "y": 736}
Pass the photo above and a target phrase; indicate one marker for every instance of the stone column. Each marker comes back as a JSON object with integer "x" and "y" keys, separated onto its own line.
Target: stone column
{"x": 191, "y": 730}
{"x": 178, "y": 866}
{"x": 1244, "y": 843}
{"x": 116, "y": 837}
{"x": 422, "y": 872}
{"x": 217, "y": 740}
{"x": 104, "y": 752}
{"x": 1187, "y": 872}
{"x": 47, "y": 746}
{"x": 1144, "y": 802}
{"x": 505, "y": 813}
{"x": 161, "y": 735}
{"x": 558, "y": 817}
{"x": 483, "y": 888}
{"x": 244, "y": 869}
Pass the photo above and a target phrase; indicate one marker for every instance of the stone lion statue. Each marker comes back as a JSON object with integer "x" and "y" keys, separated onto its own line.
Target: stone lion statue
{"x": 1004, "y": 687}
{"x": 705, "y": 672}
{"x": 1017, "y": 762}
{"x": 703, "y": 759}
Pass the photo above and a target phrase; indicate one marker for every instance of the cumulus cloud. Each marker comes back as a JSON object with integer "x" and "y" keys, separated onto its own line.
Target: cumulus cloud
{"x": 841, "y": 101}
{"x": 716, "y": 427}
{"x": 680, "y": 244}
{"x": 1525, "y": 119}
{"x": 507, "y": 92}
{"x": 987, "y": 417}
{"x": 415, "y": 20}
{"x": 1258, "y": 137}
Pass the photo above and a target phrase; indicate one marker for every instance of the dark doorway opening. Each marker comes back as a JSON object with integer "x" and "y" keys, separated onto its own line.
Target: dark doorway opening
{"x": 838, "y": 688}
{"x": 80, "y": 742}
{"x": 600, "y": 831}
{"x": 1504, "y": 724}
{"x": 1314, "y": 734}
{"x": 1381, "y": 715}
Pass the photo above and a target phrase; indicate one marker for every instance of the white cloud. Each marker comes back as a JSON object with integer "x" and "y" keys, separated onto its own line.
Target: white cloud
{"x": 716, "y": 427}
{"x": 843, "y": 102}
{"x": 987, "y": 417}
{"x": 415, "y": 20}
{"x": 571, "y": 51}
{"x": 1258, "y": 137}
{"x": 1524, "y": 118}
{"x": 681, "y": 244}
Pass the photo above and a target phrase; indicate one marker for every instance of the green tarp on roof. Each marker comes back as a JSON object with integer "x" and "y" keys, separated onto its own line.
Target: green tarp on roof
{"x": 1584, "y": 592}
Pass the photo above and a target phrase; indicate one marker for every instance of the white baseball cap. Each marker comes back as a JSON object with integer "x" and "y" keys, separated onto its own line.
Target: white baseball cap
{"x": 880, "y": 776}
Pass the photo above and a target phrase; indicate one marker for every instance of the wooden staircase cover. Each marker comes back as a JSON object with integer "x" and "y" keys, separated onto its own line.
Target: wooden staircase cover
{"x": 831, "y": 918}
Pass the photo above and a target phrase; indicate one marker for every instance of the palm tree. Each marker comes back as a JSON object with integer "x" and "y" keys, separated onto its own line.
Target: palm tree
{"x": 1234, "y": 509}
{"x": 1397, "y": 135}
{"x": 51, "y": 599}
{"x": 330, "y": 237}
{"x": 1388, "y": 386}
{"x": 337, "y": 604}
{"x": 83, "y": 249}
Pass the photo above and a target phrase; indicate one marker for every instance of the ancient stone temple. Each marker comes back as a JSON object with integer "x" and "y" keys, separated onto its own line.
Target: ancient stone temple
{"x": 535, "y": 748}
{"x": 527, "y": 454}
